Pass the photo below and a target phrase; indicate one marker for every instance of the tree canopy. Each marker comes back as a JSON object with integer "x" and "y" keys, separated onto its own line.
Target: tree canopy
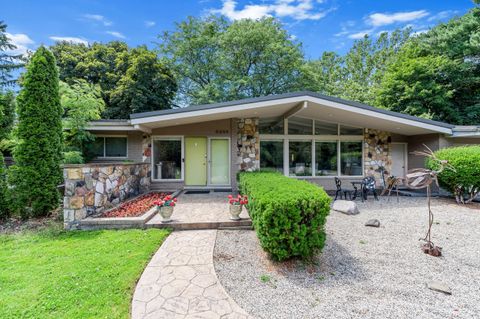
{"x": 129, "y": 79}
{"x": 9, "y": 61}
{"x": 215, "y": 60}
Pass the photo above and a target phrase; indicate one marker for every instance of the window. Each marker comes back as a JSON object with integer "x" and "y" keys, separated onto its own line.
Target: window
{"x": 167, "y": 159}
{"x": 325, "y": 128}
{"x": 351, "y": 158}
{"x": 300, "y": 126}
{"x": 272, "y": 125}
{"x": 271, "y": 155}
{"x": 300, "y": 158}
{"x": 325, "y": 158}
{"x": 110, "y": 146}
{"x": 349, "y": 130}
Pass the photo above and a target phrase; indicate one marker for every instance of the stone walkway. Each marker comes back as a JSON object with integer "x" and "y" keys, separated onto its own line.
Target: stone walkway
{"x": 180, "y": 281}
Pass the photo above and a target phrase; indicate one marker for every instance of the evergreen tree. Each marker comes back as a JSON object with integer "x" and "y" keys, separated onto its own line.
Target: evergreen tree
{"x": 8, "y": 60}
{"x": 37, "y": 173}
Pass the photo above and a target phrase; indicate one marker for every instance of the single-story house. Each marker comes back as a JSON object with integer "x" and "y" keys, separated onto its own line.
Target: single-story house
{"x": 302, "y": 135}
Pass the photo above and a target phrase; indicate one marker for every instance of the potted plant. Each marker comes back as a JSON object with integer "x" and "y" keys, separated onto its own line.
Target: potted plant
{"x": 236, "y": 204}
{"x": 165, "y": 207}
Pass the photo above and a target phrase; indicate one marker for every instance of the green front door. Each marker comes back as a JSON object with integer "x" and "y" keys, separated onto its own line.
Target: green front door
{"x": 196, "y": 161}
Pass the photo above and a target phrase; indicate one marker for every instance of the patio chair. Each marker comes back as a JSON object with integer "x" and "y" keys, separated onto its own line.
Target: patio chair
{"x": 340, "y": 190}
{"x": 369, "y": 185}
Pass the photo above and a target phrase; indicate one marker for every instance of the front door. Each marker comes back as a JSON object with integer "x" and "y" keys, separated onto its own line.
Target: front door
{"x": 195, "y": 161}
{"x": 219, "y": 161}
{"x": 398, "y": 159}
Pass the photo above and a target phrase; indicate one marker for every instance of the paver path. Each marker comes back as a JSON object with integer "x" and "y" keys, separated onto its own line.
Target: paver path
{"x": 180, "y": 281}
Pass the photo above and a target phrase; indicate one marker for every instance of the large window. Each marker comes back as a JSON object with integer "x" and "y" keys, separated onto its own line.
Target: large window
{"x": 271, "y": 155}
{"x": 300, "y": 158}
{"x": 326, "y": 158}
{"x": 351, "y": 158}
{"x": 326, "y": 128}
{"x": 110, "y": 146}
{"x": 349, "y": 130}
{"x": 167, "y": 159}
{"x": 300, "y": 126}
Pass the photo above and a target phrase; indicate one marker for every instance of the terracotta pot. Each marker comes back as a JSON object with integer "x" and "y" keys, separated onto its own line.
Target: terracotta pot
{"x": 235, "y": 211}
{"x": 166, "y": 212}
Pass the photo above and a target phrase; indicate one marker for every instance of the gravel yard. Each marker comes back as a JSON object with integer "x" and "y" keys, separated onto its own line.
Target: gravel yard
{"x": 363, "y": 272}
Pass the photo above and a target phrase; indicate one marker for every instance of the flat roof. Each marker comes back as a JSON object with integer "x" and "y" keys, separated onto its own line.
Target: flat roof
{"x": 284, "y": 96}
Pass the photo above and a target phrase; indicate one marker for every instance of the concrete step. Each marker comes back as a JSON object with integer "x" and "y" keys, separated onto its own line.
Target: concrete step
{"x": 247, "y": 223}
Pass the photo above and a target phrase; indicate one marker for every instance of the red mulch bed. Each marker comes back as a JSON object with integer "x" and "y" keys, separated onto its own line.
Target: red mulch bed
{"x": 136, "y": 207}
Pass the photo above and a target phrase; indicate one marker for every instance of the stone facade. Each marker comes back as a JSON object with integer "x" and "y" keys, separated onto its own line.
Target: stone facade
{"x": 248, "y": 145}
{"x": 92, "y": 188}
{"x": 377, "y": 154}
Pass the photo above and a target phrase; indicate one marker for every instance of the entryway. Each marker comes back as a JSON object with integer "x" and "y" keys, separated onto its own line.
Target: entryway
{"x": 399, "y": 159}
{"x": 207, "y": 161}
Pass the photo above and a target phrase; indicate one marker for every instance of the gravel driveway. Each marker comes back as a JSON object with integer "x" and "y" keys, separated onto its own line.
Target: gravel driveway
{"x": 363, "y": 272}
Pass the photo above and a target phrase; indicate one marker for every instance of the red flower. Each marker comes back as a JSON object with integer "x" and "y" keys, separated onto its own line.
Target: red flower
{"x": 230, "y": 196}
{"x": 175, "y": 199}
{"x": 172, "y": 203}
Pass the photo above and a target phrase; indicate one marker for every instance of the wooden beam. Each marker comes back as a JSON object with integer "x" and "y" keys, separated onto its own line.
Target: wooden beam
{"x": 142, "y": 128}
{"x": 294, "y": 110}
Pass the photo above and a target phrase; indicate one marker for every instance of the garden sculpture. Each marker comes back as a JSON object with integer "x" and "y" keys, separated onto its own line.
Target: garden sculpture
{"x": 420, "y": 178}
{"x": 392, "y": 183}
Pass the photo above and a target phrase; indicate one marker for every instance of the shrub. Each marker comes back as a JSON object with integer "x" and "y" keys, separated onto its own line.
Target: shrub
{"x": 4, "y": 211}
{"x": 465, "y": 160}
{"x": 73, "y": 157}
{"x": 288, "y": 214}
{"x": 38, "y": 154}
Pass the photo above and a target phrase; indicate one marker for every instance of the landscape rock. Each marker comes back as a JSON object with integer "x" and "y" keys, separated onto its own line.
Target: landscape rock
{"x": 440, "y": 287}
{"x": 373, "y": 223}
{"x": 346, "y": 206}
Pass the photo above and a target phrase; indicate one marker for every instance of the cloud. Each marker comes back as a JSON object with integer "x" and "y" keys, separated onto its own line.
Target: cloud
{"x": 150, "y": 24}
{"x": 360, "y": 34}
{"x": 380, "y": 19}
{"x": 21, "y": 41}
{"x": 70, "y": 39}
{"x": 295, "y": 9}
{"x": 442, "y": 15}
{"x": 116, "y": 34}
{"x": 98, "y": 18}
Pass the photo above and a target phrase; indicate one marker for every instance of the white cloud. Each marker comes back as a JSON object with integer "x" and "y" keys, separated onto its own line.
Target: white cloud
{"x": 442, "y": 15}
{"x": 21, "y": 41}
{"x": 98, "y": 18}
{"x": 149, "y": 24}
{"x": 380, "y": 19}
{"x": 360, "y": 34}
{"x": 70, "y": 39}
{"x": 295, "y": 9}
{"x": 116, "y": 34}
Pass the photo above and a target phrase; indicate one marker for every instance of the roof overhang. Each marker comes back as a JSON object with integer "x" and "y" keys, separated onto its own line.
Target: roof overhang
{"x": 466, "y": 131}
{"x": 110, "y": 125}
{"x": 309, "y": 105}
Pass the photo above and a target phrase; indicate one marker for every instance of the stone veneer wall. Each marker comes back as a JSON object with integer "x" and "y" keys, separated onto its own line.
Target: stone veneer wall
{"x": 377, "y": 153}
{"x": 248, "y": 145}
{"x": 92, "y": 188}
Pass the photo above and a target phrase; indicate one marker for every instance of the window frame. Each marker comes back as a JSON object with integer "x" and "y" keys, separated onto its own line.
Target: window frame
{"x": 104, "y": 137}
{"x": 280, "y": 140}
{"x": 182, "y": 156}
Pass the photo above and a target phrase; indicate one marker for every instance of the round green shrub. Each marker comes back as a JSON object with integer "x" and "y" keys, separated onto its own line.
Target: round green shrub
{"x": 465, "y": 160}
{"x": 73, "y": 157}
{"x": 288, "y": 214}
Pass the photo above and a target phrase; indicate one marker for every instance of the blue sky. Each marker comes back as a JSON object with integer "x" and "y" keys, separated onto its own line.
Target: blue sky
{"x": 320, "y": 25}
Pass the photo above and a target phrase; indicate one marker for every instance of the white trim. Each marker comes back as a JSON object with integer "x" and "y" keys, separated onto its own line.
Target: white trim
{"x": 182, "y": 161}
{"x": 306, "y": 98}
{"x": 143, "y": 128}
{"x": 105, "y": 157}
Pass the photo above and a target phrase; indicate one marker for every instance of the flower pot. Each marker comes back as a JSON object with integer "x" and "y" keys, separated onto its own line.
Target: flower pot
{"x": 235, "y": 211}
{"x": 166, "y": 212}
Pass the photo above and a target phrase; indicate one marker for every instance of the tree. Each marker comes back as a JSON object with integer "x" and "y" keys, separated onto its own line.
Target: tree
{"x": 323, "y": 75}
{"x": 107, "y": 65}
{"x": 215, "y": 60}
{"x": 9, "y": 62}
{"x": 147, "y": 85}
{"x": 81, "y": 102}
{"x": 37, "y": 173}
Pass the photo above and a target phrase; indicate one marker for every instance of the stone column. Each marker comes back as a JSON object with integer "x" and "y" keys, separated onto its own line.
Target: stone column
{"x": 377, "y": 154}
{"x": 248, "y": 145}
{"x": 146, "y": 148}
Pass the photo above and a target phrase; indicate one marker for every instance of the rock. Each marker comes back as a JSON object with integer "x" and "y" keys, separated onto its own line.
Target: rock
{"x": 345, "y": 206}
{"x": 438, "y": 286}
{"x": 373, "y": 223}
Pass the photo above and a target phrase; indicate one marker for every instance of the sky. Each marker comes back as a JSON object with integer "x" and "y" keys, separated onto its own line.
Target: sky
{"x": 320, "y": 25}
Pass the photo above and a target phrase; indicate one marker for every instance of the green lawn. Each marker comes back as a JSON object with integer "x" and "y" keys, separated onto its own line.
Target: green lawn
{"x": 58, "y": 274}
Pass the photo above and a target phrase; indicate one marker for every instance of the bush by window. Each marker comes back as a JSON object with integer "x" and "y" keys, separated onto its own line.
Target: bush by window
{"x": 288, "y": 214}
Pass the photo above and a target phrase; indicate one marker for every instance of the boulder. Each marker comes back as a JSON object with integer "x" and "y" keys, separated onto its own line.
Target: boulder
{"x": 346, "y": 206}
{"x": 373, "y": 223}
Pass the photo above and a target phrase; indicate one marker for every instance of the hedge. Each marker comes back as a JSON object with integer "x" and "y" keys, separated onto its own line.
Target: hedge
{"x": 465, "y": 160}
{"x": 288, "y": 214}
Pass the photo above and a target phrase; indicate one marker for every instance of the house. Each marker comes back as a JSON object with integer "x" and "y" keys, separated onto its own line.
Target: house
{"x": 302, "y": 135}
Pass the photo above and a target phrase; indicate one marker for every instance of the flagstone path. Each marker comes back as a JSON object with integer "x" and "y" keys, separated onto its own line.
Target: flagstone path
{"x": 180, "y": 281}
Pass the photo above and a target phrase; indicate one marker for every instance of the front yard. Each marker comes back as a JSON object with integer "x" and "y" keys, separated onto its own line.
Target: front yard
{"x": 57, "y": 274}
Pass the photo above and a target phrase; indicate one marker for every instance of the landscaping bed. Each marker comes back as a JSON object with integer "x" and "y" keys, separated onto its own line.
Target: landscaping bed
{"x": 135, "y": 207}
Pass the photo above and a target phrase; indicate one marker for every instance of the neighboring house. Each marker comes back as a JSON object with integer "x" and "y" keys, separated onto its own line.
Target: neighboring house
{"x": 303, "y": 135}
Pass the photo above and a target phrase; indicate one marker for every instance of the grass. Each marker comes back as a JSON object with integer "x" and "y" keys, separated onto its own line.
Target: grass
{"x": 265, "y": 278}
{"x": 59, "y": 274}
